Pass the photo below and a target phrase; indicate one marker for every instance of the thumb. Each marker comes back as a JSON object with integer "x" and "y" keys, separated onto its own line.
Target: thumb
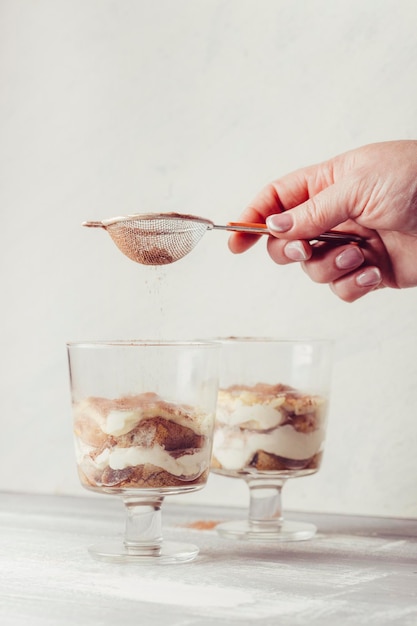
{"x": 312, "y": 218}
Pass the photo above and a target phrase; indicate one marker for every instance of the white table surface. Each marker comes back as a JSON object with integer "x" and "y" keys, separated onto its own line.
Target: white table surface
{"x": 357, "y": 570}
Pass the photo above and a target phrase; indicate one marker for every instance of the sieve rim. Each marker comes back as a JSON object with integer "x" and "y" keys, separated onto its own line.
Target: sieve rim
{"x": 160, "y": 216}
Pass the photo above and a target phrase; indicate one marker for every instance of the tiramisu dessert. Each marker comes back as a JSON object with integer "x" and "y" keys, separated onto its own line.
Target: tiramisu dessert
{"x": 268, "y": 428}
{"x": 141, "y": 442}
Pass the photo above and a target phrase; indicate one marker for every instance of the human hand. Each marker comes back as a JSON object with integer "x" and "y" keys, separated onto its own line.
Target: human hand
{"x": 370, "y": 191}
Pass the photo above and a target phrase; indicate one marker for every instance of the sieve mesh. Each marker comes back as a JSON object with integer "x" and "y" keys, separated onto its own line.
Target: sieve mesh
{"x": 157, "y": 240}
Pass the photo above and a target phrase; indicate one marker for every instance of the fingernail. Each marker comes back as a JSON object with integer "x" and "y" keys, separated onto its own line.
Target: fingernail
{"x": 280, "y": 222}
{"x": 350, "y": 258}
{"x": 294, "y": 250}
{"x": 369, "y": 277}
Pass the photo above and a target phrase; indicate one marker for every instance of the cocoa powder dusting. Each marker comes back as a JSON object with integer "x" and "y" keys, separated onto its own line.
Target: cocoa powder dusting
{"x": 155, "y": 256}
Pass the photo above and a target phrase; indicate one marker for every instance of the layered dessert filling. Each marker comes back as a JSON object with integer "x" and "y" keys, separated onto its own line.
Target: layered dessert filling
{"x": 268, "y": 428}
{"x": 141, "y": 441}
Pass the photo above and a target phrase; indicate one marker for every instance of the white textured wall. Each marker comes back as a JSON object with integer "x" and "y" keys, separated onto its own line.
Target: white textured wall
{"x": 120, "y": 106}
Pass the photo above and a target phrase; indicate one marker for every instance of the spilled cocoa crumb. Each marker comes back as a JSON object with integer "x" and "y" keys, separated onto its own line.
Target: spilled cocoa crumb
{"x": 203, "y": 524}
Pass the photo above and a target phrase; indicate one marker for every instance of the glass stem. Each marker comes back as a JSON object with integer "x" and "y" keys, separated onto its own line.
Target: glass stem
{"x": 265, "y": 507}
{"x": 143, "y": 532}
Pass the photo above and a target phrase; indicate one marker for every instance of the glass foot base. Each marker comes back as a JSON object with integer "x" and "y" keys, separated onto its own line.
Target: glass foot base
{"x": 284, "y": 531}
{"x": 168, "y": 552}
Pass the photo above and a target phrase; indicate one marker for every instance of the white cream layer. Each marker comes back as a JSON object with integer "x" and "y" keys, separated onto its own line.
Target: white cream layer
{"x": 120, "y": 422}
{"x": 187, "y": 465}
{"x": 234, "y": 449}
{"x": 256, "y": 416}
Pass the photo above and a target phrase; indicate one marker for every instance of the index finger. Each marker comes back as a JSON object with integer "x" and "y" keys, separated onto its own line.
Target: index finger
{"x": 278, "y": 196}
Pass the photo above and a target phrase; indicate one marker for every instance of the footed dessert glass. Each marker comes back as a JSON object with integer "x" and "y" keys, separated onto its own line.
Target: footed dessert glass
{"x": 270, "y": 426}
{"x": 143, "y": 416}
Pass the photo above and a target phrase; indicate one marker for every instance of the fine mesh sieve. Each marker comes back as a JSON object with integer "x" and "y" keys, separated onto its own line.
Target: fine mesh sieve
{"x": 162, "y": 238}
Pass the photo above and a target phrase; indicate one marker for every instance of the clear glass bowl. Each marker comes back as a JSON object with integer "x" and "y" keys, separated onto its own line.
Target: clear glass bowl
{"x": 143, "y": 416}
{"x": 270, "y": 426}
